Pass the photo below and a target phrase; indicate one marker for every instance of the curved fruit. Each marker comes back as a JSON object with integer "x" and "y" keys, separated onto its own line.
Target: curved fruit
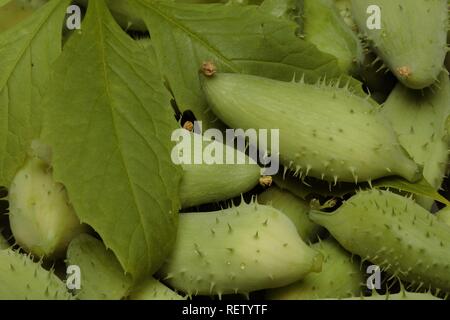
{"x": 326, "y": 132}
{"x": 23, "y": 279}
{"x": 411, "y": 38}
{"x": 237, "y": 250}
{"x": 152, "y": 289}
{"x": 419, "y": 118}
{"x": 340, "y": 277}
{"x": 444, "y": 215}
{"x": 102, "y": 277}
{"x": 395, "y": 233}
{"x": 404, "y": 295}
{"x": 205, "y": 183}
{"x": 42, "y": 220}
{"x": 345, "y": 10}
{"x": 295, "y": 208}
{"x": 324, "y": 27}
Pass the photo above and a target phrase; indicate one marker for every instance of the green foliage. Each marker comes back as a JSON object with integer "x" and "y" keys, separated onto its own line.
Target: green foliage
{"x": 28, "y": 50}
{"x": 110, "y": 131}
{"x": 237, "y": 250}
{"x": 241, "y": 39}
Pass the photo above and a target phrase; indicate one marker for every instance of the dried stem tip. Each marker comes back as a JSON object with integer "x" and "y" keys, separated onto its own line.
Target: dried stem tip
{"x": 404, "y": 71}
{"x": 188, "y": 125}
{"x": 265, "y": 181}
{"x": 209, "y": 69}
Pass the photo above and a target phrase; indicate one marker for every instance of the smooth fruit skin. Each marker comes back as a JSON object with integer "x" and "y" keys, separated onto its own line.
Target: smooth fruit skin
{"x": 419, "y": 118}
{"x": 325, "y": 132}
{"x": 42, "y": 219}
{"x": 295, "y": 208}
{"x": 23, "y": 279}
{"x": 444, "y": 215}
{"x": 102, "y": 276}
{"x": 208, "y": 183}
{"x": 412, "y": 40}
{"x": 237, "y": 250}
{"x": 324, "y": 27}
{"x": 341, "y": 277}
{"x": 152, "y": 289}
{"x": 396, "y": 234}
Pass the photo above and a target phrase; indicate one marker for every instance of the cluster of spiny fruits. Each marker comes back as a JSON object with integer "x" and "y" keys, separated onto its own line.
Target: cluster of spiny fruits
{"x": 364, "y": 161}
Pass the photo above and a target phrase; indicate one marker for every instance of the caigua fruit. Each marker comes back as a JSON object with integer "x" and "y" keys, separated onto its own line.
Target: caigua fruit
{"x": 324, "y": 27}
{"x": 341, "y": 277}
{"x": 23, "y": 279}
{"x": 395, "y": 233}
{"x": 42, "y": 219}
{"x": 295, "y": 208}
{"x": 102, "y": 277}
{"x": 325, "y": 131}
{"x": 420, "y": 120}
{"x": 152, "y": 289}
{"x": 209, "y": 180}
{"x": 444, "y": 215}
{"x": 411, "y": 38}
{"x": 237, "y": 250}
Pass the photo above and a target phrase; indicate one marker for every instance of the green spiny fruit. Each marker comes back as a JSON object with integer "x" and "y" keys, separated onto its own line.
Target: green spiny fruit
{"x": 102, "y": 277}
{"x": 295, "y": 208}
{"x": 23, "y": 279}
{"x": 152, "y": 289}
{"x": 444, "y": 215}
{"x": 340, "y": 277}
{"x": 212, "y": 182}
{"x": 324, "y": 27}
{"x": 411, "y": 38}
{"x": 394, "y": 233}
{"x": 42, "y": 220}
{"x": 404, "y": 295}
{"x": 420, "y": 118}
{"x": 237, "y": 250}
{"x": 345, "y": 10}
{"x": 324, "y": 131}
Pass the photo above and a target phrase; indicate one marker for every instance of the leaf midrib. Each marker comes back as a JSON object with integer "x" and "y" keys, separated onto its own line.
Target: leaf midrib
{"x": 102, "y": 54}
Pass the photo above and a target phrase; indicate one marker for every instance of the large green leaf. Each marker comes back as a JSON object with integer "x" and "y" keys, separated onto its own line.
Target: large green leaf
{"x": 27, "y": 50}
{"x": 244, "y": 39}
{"x": 420, "y": 188}
{"x": 109, "y": 122}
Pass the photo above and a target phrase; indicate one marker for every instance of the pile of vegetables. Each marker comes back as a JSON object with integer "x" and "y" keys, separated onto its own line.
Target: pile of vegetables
{"x": 93, "y": 205}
